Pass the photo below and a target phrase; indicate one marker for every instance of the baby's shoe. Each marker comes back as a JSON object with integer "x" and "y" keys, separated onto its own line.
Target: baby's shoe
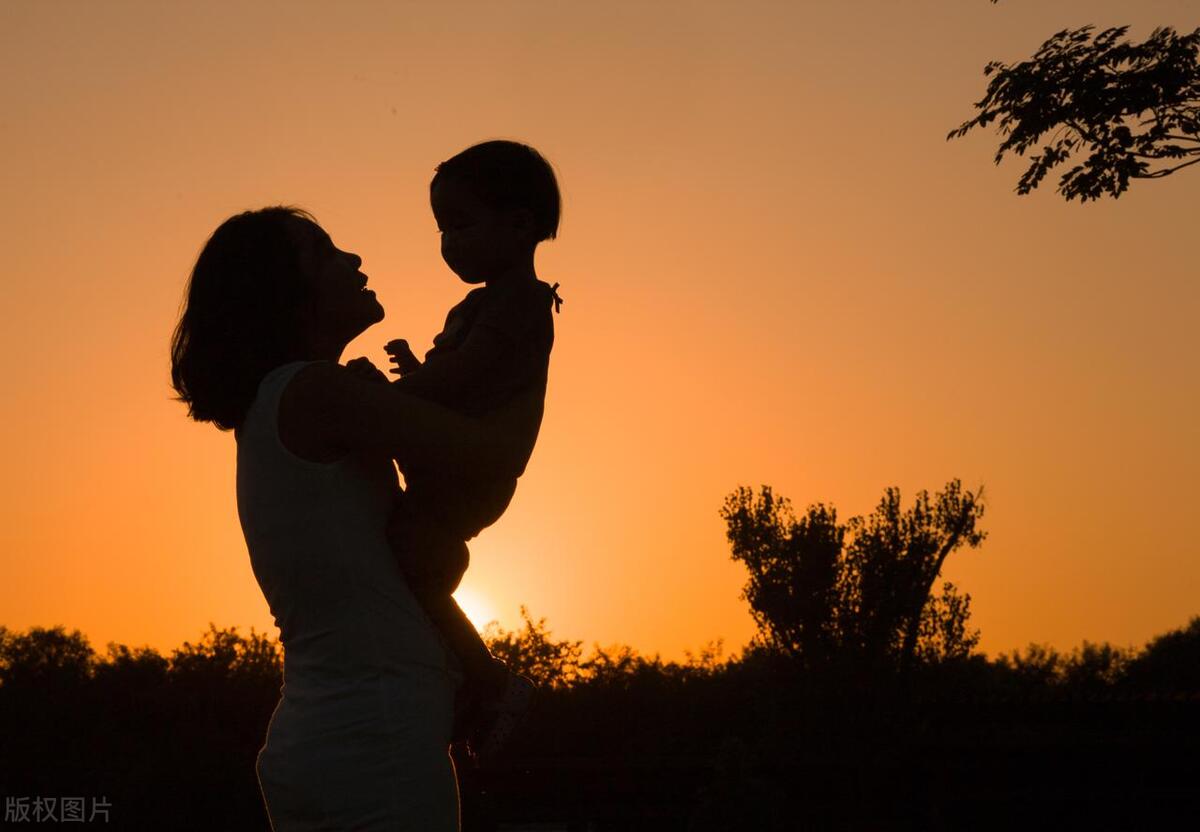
{"x": 505, "y": 714}
{"x": 469, "y": 719}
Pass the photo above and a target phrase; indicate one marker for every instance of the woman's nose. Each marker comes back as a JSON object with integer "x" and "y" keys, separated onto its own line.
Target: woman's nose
{"x": 355, "y": 259}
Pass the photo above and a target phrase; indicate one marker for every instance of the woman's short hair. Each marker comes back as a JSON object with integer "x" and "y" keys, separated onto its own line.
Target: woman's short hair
{"x": 505, "y": 174}
{"x": 238, "y": 320}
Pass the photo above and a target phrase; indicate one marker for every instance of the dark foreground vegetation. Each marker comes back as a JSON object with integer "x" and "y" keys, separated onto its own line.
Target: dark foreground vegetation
{"x": 855, "y": 709}
{"x": 1099, "y": 738}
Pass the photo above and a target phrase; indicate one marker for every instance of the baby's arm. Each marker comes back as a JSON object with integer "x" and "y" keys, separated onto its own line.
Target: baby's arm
{"x": 450, "y": 377}
{"x": 512, "y": 328}
{"x": 515, "y": 331}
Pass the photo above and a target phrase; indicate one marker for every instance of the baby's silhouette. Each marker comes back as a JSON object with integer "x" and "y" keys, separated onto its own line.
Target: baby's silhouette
{"x": 493, "y": 203}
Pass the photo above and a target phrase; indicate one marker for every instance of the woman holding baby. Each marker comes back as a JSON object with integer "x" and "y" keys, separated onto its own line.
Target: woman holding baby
{"x": 360, "y": 738}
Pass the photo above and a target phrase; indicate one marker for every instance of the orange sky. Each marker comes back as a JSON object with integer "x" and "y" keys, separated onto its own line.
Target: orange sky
{"x": 776, "y": 270}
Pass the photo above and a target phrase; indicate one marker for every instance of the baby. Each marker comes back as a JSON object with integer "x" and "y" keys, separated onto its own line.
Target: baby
{"x": 493, "y": 202}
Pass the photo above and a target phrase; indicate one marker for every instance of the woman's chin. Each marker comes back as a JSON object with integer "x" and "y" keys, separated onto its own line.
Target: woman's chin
{"x": 378, "y": 313}
{"x": 368, "y": 319}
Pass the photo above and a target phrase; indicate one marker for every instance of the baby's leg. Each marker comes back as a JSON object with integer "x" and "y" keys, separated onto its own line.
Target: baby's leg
{"x": 434, "y": 561}
{"x": 481, "y": 669}
{"x": 434, "y": 558}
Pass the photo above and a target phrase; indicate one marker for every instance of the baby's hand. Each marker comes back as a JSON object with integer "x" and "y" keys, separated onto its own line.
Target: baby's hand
{"x": 402, "y": 356}
{"x": 363, "y": 368}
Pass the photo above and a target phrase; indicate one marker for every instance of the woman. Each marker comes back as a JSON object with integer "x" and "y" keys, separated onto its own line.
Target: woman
{"x": 359, "y": 739}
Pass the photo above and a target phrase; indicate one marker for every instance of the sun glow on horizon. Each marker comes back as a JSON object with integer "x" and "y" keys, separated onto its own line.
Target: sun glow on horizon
{"x": 476, "y": 606}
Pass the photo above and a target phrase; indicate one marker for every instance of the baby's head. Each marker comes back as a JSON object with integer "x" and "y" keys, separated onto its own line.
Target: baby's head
{"x": 494, "y": 202}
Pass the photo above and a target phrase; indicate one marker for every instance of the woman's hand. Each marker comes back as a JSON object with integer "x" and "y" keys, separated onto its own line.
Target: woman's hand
{"x": 363, "y": 368}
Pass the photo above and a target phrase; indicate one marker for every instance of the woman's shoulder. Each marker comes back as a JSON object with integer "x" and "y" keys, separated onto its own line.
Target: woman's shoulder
{"x": 266, "y": 395}
{"x": 305, "y": 388}
{"x": 285, "y": 412}
{"x": 318, "y": 385}
{"x": 276, "y": 382}
{"x": 284, "y": 373}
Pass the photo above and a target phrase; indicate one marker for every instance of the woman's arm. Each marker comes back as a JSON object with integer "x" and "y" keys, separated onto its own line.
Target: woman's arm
{"x": 334, "y": 409}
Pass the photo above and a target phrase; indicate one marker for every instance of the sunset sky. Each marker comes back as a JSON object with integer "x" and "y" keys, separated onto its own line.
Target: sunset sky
{"x": 775, "y": 270}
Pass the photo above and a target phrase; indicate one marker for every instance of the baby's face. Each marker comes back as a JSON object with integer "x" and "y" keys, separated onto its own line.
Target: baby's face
{"x": 478, "y": 241}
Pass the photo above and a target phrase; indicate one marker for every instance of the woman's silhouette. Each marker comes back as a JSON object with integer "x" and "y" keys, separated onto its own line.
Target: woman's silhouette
{"x": 361, "y": 733}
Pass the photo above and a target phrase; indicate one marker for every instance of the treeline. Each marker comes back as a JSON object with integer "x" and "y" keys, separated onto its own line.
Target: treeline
{"x": 42, "y": 665}
{"x": 1168, "y": 666}
{"x": 618, "y": 737}
{"x": 47, "y": 664}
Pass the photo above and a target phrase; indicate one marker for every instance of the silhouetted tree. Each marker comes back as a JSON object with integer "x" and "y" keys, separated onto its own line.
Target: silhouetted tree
{"x": 1131, "y": 109}
{"x": 894, "y": 560}
{"x": 1169, "y": 662}
{"x": 44, "y": 658}
{"x": 531, "y": 652}
{"x": 795, "y": 581}
{"x": 1038, "y": 665}
{"x": 1094, "y": 668}
{"x": 126, "y": 661}
{"x": 222, "y": 653}
{"x": 943, "y": 633}
{"x": 820, "y": 590}
{"x": 613, "y": 665}
{"x": 228, "y": 684}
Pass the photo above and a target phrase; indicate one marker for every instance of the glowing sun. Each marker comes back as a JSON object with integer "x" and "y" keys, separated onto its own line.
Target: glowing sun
{"x": 476, "y": 606}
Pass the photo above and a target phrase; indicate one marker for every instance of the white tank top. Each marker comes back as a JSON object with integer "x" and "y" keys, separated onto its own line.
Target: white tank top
{"x": 316, "y": 533}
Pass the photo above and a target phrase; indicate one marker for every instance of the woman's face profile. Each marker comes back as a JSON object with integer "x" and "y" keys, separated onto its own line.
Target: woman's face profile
{"x": 340, "y": 304}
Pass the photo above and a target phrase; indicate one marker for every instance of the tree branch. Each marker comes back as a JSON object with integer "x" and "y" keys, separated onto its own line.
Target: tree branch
{"x": 1159, "y": 174}
{"x": 1099, "y": 85}
{"x": 1086, "y": 134}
